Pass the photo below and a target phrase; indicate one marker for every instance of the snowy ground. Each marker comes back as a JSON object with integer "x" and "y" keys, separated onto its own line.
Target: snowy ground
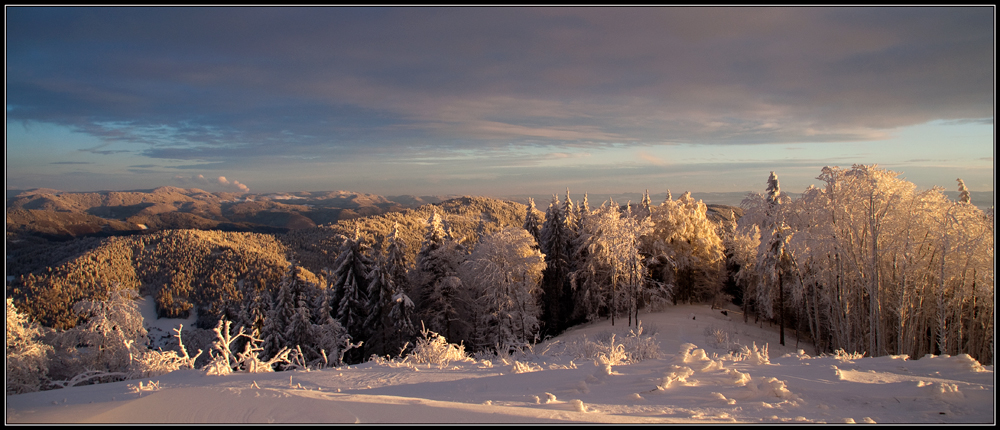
{"x": 684, "y": 385}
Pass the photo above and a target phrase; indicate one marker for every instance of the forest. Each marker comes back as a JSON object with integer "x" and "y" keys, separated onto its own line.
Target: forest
{"x": 865, "y": 264}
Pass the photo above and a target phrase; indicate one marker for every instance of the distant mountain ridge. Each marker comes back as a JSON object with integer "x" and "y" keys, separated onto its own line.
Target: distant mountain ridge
{"x": 55, "y": 214}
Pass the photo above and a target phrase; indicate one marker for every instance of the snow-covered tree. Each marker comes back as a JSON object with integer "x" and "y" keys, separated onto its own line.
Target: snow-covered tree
{"x": 112, "y": 335}
{"x": 504, "y": 272}
{"x": 684, "y": 252}
{"x": 299, "y": 332}
{"x": 401, "y": 315}
{"x": 110, "y": 346}
{"x": 874, "y": 266}
{"x": 532, "y": 223}
{"x": 964, "y": 196}
{"x": 582, "y": 210}
{"x": 645, "y": 207}
{"x": 395, "y": 260}
{"x": 611, "y": 274}
{"x": 381, "y": 289}
{"x": 353, "y": 265}
{"x": 773, "y": 259}
{"x": 442, "y": 298}
{"x": 289, "y": 321}
{"x": 27, "y": 356}
{"x": 556, "y": 239}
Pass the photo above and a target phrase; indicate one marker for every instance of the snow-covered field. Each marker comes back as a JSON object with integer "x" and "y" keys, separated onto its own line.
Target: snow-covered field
{"x": 689, "y": 382}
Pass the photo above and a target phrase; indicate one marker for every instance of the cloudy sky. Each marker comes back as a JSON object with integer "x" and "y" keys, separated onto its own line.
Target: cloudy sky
{"x": 495, "y": 101}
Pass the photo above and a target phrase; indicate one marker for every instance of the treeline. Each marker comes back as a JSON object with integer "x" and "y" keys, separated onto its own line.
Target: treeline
{"x": 869, "y": 264}
{"x": 501, "y": 286}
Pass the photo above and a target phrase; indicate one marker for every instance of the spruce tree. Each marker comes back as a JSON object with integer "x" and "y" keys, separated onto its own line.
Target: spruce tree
{"x": 435, "y": 281}
{"x": 531, "y": 222}
{"x": 555, "y": 245}
{"x": 964, "y": 196}
{"x": 401, "y": 315}
{"x": 396, "y": 262}
{"x": 350, "y": 285}
{"x": 380, "y": 292}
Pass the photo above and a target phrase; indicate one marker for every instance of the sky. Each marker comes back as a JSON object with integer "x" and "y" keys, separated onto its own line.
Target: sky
{"x": 495, "y": 101}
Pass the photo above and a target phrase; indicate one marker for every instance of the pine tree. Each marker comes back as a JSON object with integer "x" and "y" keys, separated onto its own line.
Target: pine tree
{"x": 273, "y": 331}
{"x": 299, "y": 333}
{"x": 582, "y": 210}
{"x": 260, "y": 304}
{"x": 329, "y": 337}
{"x": 401, "y": 315}
{"x": 436, "y": 284}
{"x": 531, "y": 222}
{"x": 322, "y": 311}
{"x": 569, "y": 213}
{"x": 352, "y": 267}
{"x": 964, "y": 196}
{"x": 555, "y": 245}
{"x": 293, "y": 293}
{"x": 380, "y": 293}
{"x": 645, "y": 207}
{"x": 396, "y": 260}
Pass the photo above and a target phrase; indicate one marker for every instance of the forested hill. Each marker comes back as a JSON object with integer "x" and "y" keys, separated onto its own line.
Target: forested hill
{"x": 57, "y": 215}
{"x": 188, "y": 268}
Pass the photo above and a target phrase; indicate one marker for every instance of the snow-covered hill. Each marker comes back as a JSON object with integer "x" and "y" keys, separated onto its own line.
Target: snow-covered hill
{"x": 693, "y": 380}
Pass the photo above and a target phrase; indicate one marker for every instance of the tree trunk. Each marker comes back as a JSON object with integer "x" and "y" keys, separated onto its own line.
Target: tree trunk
{"x": 781, "y": 307}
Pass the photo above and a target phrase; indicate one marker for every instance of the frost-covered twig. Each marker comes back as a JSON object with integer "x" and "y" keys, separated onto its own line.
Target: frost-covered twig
{"x": 86, "y": 376}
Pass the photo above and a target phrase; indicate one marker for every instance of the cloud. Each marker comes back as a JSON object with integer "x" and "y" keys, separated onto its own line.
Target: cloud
{"x": 652, "y": 159}
{"x": 71, "y": 162}
{"x": 201, "y": 180}
{"x": 234, "y": 184}
{"x": 229, "y": 88}
{"x": 609, "y": 75}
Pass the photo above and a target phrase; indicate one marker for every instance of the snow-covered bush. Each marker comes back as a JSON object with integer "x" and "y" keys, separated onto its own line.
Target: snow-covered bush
{"x": 149, "y": 363}
{"x": 753, "y": 354}
{"x": 27, "y": 357}
{"x": 105, "y": 346}
{"x": 248, "y": 361}
{"x": 432, "y": 348}
{"x": 114, "y": 331}
{"x": 633, "y": 347}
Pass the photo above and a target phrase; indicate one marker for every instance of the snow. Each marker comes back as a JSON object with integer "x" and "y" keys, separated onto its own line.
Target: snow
{"x": 694, "y": 381}
{"x": 161, "y": 331}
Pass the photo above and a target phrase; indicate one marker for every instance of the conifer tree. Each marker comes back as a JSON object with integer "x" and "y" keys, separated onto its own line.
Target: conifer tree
{"x": 436, "y": 284}
{"x": 299, "y": 333}
{"x": 571, "y": 221}
{"x": 401, "y": 315}
{"x": 645, "y": 207}
{"x": 351, "y": 283}
{"x": 396, "y": 260}
{"x": 964, "y": 196}
{"x": 555, "y": 245}
{"x": 531, "y": 222}
{"x": 380, "y": 292}
{"x": 582, "y": 210}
